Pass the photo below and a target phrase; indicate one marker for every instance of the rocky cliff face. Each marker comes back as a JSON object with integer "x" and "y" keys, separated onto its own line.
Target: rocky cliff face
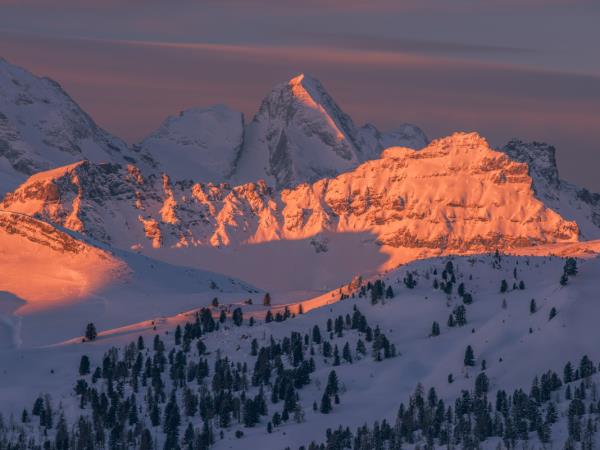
{"x": 41, "y": 127}
{"x": 457, "y": 194}
{"x": 572, "y": 202}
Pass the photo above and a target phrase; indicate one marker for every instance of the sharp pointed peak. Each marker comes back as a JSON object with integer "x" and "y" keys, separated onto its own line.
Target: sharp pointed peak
{"x": 304, "y": 79}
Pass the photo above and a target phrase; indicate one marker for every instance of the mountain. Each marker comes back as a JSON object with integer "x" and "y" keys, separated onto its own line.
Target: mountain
{"x": 198, "y": 144}
{"x": 570, "y": 201}
{"x": 445, "y": 290}
{"x": 41, "y": 127}
{"x": 59, "y": 281}
{"x": 299, "y": 135}
{"x": 455, "y": 196}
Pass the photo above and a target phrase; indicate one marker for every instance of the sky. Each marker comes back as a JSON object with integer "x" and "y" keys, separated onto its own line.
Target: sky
{"x": 505, "y": 68}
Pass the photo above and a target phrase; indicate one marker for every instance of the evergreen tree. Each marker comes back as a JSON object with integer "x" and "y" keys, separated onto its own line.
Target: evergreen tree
{"x": 238, "y": 316}
{"x": 568, "y": 373}
{"x": 409, "y": 281}
{"x": 346, "y": 354}
{"x": 503, "y": 286}
{"x": 532, "y": 306}
{"x": 316, "y": 335}
{"x": 146, "y": 440}
{"x": 460, "y": 315}
{"x": 451, "y": 322}
{"x": 178, "y": 335}
{"x": 267, "y": 299}
{"x": 90, "y": 332}
{"x": 172, "y": 418}
{"x": 435, "y": 329}
{"x": 360, "y": 347}
{"x": 332, "y": 387}
{"x": 84, "y": 365}
{"x": 467, "y": 298}
{"x": 389, "y": 292}
{"x": 570, "y": 268}
{"x": 469, "y": 357}
{"x": 481, "y": 384}
{"x": 325, "y": 404}
{"x": 62, "y": 435}
{"x": 552, "y": 314}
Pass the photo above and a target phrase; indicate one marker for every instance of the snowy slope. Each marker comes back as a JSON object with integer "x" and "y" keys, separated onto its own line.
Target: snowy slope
{"x": 41, "y": 127}
{"x": 198, "y": 144}
{"x": 58, "y": 281}
{"x": 500, "y": 328}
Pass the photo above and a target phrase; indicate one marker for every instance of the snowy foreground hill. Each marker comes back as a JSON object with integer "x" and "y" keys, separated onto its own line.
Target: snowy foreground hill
{"x": 491, "y": 334}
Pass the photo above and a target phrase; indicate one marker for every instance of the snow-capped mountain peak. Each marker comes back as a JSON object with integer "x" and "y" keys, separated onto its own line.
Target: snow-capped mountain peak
{"x": 299, "y": 134}
{"x": 42, "y": 127}
{"x": 198, "y": 144}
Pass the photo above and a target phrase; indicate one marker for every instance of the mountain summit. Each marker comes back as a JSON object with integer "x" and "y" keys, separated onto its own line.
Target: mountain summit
{"x": 299, "y": 134}
{"x": 41, "y": 127}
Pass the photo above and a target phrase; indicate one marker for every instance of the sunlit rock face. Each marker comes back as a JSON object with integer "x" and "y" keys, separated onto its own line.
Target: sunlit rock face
{"x": 457, "y": 194}
{"x": 45, "y": 266}
{"x": 41, "y": 127}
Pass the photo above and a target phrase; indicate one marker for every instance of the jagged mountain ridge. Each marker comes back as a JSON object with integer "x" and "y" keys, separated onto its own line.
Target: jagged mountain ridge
{"x": 299, "y": 134}
{"x": 42, "y": 127}
{"x": 144, "y": 198}
{"x": 455, "y": 196}
{"x": 572, "y": 202}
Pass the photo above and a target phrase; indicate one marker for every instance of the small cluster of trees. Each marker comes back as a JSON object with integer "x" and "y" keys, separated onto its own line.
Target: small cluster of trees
{"x": 569, "y": 270}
